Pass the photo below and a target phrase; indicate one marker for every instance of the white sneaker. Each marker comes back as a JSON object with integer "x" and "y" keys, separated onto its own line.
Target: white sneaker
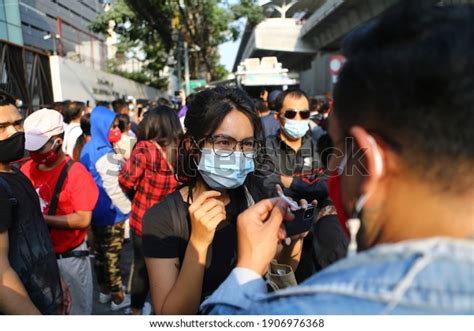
{"x": 104, "y": 298}
{"x": 125, "y": 303}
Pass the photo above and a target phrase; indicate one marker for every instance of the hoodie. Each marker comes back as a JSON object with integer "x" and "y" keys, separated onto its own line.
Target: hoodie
{"x": 99, "y": 157}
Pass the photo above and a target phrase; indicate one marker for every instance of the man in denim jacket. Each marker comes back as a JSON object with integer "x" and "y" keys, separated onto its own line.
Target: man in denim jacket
{"x": 402, "y": 124}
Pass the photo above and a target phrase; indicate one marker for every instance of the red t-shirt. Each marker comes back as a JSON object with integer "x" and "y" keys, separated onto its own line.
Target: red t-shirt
{"x": 79, "y": 193}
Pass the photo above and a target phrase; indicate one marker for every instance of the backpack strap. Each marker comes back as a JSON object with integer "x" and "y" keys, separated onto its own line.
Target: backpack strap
{"x": 59, "y": 187}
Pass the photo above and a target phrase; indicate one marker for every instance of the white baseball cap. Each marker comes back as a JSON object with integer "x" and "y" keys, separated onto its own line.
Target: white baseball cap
{"x": 40, "y": 127}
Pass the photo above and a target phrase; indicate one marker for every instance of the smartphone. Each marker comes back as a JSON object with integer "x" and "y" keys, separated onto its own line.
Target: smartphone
{"x": 176, "y": 93}
{"x": 302, "y": 222}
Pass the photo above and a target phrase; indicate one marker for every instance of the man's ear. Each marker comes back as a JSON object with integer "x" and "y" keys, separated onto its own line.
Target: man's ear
{"x": 374, "y": 156}
{"x": 59, "y": 140}
{"x": 278, "y": 118}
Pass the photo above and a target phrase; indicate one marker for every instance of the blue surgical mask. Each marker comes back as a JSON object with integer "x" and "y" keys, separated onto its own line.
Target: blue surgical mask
{"x": 224, "y": 172}
{"x": 295, "y": 129}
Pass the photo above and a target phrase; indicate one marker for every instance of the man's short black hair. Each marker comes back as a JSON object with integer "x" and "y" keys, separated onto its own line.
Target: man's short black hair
{"x": 292, "y": 92}
{"x": 6, "y": 99}
{"x": 260, "y": 105}
{"x": 164, "y": 102}
{"x": 409, "y": 79}
{"x": 73, "y": 110}
{"x": 118, "y": 105}
{"x": 103, "y": 103}
{"x": 59, "y": 106}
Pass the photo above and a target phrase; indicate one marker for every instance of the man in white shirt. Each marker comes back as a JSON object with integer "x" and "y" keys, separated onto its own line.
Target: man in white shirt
{"x": 72, "y": 114}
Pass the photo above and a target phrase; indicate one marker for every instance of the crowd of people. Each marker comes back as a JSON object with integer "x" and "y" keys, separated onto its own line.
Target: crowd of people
{"x": 278, "y": 204}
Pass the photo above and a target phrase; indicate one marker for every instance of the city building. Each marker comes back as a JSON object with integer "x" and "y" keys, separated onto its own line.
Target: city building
{"x": 306, "y": 36}
{"x": 34, "y": 31}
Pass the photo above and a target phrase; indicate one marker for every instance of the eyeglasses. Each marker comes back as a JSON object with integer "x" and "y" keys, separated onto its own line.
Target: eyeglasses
{"x": 224, "y": 146}
{"x": 18, "y": 125}
{"x": 291, "y": 113}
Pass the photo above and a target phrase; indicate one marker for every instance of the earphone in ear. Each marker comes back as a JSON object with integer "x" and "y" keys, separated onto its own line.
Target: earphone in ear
{"x": 377, "y": 156}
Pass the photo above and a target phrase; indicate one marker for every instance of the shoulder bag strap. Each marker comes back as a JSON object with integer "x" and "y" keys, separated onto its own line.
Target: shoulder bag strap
{"x": 58, "y": 188}
{"x": 163, "y": 154}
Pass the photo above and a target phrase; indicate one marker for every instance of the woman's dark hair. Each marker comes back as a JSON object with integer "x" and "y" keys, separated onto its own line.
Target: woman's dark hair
{"x": 205, "y": 114}
{"x": 82, "y": 140}
{"x": 124, "y": 121}
{"x": 190, "y": 98}
{"x": 73, "y": 110}
{"x": 161, "y": 124}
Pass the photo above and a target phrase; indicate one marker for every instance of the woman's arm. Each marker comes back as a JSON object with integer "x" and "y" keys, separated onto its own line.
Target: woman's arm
{"x": 175, "y": 291}
{"x": 178, "y": 290}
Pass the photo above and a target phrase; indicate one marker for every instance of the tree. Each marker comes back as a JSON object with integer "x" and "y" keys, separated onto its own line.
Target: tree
{"x": 148, "y": 25}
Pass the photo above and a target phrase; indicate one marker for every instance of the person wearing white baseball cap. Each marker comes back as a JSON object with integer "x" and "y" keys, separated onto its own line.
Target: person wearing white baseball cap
{"x": 41, "y": 126}
{"x": 67, "y": 194}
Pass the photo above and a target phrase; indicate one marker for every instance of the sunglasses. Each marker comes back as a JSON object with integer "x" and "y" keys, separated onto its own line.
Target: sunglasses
{"x": 291, "y": 114}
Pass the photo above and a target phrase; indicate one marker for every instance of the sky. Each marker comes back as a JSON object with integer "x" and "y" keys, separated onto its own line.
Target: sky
{"x": 228, "y": 51}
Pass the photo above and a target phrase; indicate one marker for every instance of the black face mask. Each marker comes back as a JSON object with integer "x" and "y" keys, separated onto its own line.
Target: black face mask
{"x": 12, "y": 148}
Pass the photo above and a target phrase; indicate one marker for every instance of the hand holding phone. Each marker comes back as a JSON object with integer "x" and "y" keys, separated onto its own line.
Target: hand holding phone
{"x": 302, "y": 222}
{"x": 303, "y": 217}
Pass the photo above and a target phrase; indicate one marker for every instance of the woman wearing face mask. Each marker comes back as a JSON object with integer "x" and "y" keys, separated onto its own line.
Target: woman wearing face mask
{"x": 189, "y": 238}
{"x": 149, "y": 173}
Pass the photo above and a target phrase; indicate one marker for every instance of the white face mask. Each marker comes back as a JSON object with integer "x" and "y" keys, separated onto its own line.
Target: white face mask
{"x": 354, "y": 223}
{"x": 224, "y": 172}
{"x": 296, "y": 129}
